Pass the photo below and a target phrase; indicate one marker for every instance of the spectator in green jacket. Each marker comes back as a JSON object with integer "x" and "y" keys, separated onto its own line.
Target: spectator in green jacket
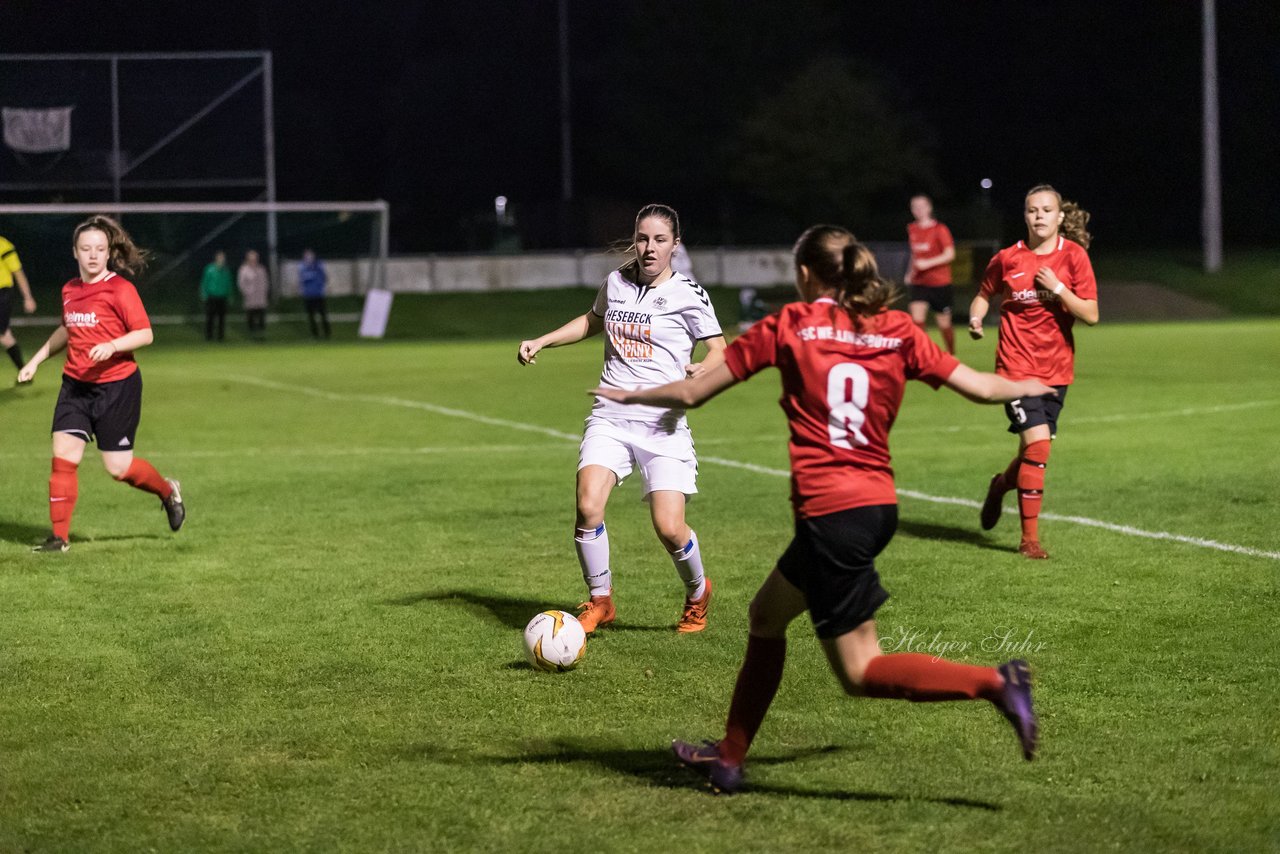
{"x": 215, "y": 290}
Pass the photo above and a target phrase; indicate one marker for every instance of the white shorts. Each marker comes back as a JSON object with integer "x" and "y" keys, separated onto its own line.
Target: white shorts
{"x": 664, "y": 456}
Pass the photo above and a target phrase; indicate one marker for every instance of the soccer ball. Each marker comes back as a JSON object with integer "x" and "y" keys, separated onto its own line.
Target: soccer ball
{"x": 554, "y": 641}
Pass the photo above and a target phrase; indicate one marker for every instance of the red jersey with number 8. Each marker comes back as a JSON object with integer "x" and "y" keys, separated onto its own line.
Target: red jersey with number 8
{"x": 842, "y": 384}
{"x": 96, "y": 313}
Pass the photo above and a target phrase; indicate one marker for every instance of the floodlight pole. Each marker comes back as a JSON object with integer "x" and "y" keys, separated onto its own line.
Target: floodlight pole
{"x": 1212, "y": 213}
{"x": 115, "y": 130}
{"x": 269, "y": 152}
{"x": 566, "y": 129}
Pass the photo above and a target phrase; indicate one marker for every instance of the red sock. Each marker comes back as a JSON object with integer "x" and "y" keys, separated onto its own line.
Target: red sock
{"x": 924, "y": 679}
{"x": 142, "y": 475}
{"x": 1031, "y": 487}
{"x": 949, "y": 336}
{"x": 1009, "y": 477}
{"x": 64, "y": 488}
{"x": 758, "y": 682}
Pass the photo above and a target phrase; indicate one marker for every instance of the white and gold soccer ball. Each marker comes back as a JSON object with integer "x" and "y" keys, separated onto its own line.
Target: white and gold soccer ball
{"x": 554, "y": 641}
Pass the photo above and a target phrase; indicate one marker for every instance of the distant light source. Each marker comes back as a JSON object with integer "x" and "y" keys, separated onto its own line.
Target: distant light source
{"x": 985, "y": 183}
{"x": 500, "y": 207}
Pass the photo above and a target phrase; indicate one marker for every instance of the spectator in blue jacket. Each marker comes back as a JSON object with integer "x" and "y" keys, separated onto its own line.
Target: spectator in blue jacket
{"x": 311, "y": 281}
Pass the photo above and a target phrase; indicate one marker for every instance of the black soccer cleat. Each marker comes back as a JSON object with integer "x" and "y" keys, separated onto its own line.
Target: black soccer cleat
{"x": 173, "y": 506}
{"x": 52, "y": 544}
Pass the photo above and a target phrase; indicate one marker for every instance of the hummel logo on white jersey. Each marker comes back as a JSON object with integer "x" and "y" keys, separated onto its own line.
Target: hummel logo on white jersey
{"x": 124, "y": 441}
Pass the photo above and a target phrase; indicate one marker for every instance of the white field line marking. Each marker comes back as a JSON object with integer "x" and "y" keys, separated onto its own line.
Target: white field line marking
{"x": 1095, "y": 419}
{"x": 1127, "y": 530}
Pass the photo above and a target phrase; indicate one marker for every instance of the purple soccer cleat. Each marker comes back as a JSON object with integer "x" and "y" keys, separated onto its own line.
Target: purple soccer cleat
{"x": 724, "y": 778}
{"x": 1015, "y": 705}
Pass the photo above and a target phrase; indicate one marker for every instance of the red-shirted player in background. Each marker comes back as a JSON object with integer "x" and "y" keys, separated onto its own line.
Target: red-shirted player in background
{"x": 1043, "y": 283}
{"x": 844, "y": 361}
{"x": 103, "y": 322}
{"x": 929, "y": 274}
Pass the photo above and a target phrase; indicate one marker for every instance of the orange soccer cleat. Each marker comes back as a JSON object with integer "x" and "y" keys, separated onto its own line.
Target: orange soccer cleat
{"x": 596, "y": 612}
{"x": 1031, "y": 550}
{"x": 694, "y": 618}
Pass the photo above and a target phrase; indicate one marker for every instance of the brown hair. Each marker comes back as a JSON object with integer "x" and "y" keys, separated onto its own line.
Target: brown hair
{"x": 124, "y": 256}
{"x": 839, "y": 261}
{"x": 1074, "y": 217}
{"x": 666, "y": 213}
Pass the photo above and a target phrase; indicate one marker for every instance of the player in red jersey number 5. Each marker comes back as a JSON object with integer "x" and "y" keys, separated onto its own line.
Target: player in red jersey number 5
{"x": 1043, "y": 285}
{"x": 103, "y": 322}
{"x": 844, "y": 361}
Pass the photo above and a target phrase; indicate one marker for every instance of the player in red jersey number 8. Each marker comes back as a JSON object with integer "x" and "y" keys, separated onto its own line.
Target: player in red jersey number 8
{"x": 844, "y": 359}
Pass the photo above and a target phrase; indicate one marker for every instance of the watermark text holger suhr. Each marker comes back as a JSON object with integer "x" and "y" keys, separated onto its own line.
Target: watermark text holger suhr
{"x": 1006, "y": 640}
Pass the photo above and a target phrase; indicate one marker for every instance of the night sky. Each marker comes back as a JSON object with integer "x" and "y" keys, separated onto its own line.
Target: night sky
{"x": 439, "y": 107}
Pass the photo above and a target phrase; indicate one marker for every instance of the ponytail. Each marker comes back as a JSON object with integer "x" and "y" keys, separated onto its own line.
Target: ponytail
{"x": 840, "y": 262}
{"x": 1074, "y": 218}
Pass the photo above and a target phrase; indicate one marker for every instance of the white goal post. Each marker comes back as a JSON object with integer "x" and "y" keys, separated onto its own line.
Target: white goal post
{"x": 192, "y": 230}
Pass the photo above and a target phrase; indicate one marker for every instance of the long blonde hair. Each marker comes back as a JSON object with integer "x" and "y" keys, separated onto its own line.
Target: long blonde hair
{"x": 1074, "y": 217}
{"x": 840, "y": 262}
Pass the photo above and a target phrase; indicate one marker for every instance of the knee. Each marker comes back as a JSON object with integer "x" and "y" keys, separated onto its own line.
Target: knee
{"x": 117, "y": 468}
{"x": 763, "y": 622}
{"x": 590, "y": 511}
{"x": 673, "y": 533}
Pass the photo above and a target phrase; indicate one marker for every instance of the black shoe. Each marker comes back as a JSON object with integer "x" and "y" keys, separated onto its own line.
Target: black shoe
{"x": 53, "y": 544}
{"x": 173, "y": 506}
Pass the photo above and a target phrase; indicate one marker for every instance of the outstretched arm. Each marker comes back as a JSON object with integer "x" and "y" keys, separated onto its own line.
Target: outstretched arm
{"x": 583, "y": 326}
{"x": 982, "y": 387}
{"x": 684, "y": 394}
{"x": 56, "y": 342}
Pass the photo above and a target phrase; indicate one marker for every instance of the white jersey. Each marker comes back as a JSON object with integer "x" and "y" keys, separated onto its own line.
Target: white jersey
{"x": 650, "y": 333}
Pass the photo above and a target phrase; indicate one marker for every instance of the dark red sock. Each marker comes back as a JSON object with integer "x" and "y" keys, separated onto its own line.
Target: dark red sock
{"x": 142, "y": 475}
{"x": 949, "y": 336}
{"x": 924, "y": 679}
{"x": 1035, "y": 457}
{"x": 1009, "y": 477}
{"x": 64, "y": 489}
{"x": 758, "y": 682}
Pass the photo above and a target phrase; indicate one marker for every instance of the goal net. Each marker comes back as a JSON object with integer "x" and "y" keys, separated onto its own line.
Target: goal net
{"x": 349, "y": 237}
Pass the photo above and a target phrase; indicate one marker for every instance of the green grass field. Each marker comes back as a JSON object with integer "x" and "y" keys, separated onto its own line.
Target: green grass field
{"x": 328, "y": 655}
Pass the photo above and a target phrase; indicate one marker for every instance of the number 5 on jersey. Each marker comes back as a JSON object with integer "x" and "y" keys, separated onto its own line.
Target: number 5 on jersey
{"x": 848, "y": 385}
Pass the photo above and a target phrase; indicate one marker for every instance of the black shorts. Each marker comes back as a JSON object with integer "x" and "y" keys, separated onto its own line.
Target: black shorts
{"x": 6, "y": 307}
{"x": 939, "y": 297}
{"x": 832, "y": 561}
{"x": 108, "y": 412}
{"x": 1027, "y": 412}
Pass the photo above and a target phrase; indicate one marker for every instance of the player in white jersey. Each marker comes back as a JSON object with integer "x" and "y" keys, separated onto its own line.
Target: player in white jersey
{"x": 653, "y": 319}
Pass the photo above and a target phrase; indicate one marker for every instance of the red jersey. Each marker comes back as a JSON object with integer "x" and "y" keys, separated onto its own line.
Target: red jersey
{"x": 841, "y": 388}
{"x": 929, "y": 241}
{"x": 95, "y": 314}
{"x": 1035, "y": 329}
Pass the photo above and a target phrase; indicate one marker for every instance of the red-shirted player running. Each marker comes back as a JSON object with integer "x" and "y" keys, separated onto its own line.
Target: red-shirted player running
{"x": 844, "y": 361}
{"x": 103, "y": 322}
{"x": 1043, "y": 284}
{"x": 929, "y": 273}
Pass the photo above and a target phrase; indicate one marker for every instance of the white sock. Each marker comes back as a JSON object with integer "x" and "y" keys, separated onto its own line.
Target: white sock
{"x": 593, "y": 554}
{"x": 688, "y": 561}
